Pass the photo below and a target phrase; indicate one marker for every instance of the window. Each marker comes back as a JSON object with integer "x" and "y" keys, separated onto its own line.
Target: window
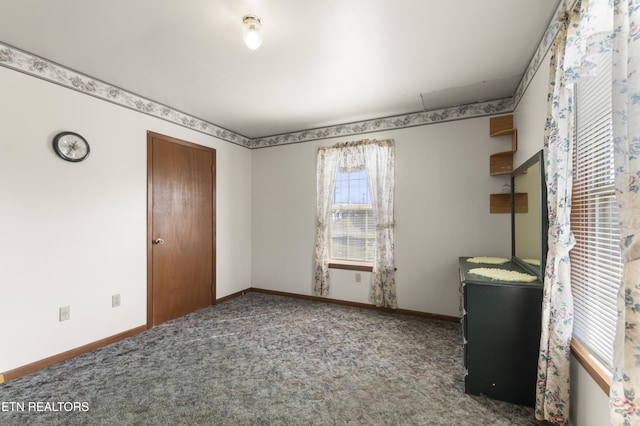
{"x": 596, "y": 264}
{"x": 352, "y": 225}
{"x": 354, "y": 215}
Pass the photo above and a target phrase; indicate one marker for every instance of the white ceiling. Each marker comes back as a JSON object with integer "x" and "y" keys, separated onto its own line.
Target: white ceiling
{"x": 322, "y": 62}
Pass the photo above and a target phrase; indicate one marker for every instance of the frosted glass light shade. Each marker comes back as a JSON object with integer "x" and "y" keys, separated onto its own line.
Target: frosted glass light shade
{"x": 252, "y": 31}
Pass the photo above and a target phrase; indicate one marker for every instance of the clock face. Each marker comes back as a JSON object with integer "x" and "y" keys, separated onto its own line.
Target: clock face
{"x": 71, "y": 146}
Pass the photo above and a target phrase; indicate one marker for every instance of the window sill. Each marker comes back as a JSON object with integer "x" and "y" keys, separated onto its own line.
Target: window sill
{"x": 595, "y": 369}
{"x": 363, "y": 267}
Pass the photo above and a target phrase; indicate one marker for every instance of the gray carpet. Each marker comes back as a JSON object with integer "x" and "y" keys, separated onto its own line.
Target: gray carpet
{"x": 265, "y": 360}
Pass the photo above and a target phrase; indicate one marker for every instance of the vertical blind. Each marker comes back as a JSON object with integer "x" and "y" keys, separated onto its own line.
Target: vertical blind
{"x": 596, "y": 265}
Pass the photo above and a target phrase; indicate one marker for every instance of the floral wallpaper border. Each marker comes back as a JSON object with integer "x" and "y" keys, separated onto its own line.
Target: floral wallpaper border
{"x": 389, "y": 123}
{"x": 543, "y": 47}
{"x": 16, "y": 59}
{"x": 27, "y": 63}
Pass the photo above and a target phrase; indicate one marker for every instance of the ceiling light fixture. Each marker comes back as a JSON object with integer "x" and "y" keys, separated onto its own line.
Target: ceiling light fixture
{"x": 252, "y": 31}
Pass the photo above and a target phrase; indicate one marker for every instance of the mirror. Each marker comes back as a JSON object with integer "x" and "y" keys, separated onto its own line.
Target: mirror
{"x": 529, "y": 216}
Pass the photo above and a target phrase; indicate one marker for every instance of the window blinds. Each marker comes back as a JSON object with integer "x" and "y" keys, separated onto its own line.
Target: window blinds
{"x": 596, "y": 265}
{"x": 353, "y": 225}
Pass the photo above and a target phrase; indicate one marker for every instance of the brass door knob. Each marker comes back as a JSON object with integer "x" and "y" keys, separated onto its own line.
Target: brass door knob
{"x": 158, "y": 241}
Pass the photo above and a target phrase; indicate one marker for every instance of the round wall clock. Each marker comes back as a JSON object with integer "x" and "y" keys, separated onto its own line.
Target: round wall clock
{"x": 71, "y": 146}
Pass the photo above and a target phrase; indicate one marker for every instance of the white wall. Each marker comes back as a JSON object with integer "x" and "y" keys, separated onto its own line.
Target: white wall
{"x": 75, "y": 234}
{"x": 441, "y": 209}
{"x": 589, "y": 404}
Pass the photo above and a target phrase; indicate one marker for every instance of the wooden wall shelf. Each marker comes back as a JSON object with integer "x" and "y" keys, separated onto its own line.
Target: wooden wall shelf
{"x": 501, "y": 163}
{"x": 501, "y": 203}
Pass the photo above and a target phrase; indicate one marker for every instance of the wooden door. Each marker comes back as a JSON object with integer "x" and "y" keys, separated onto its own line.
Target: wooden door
{"x": 181, "y": 228}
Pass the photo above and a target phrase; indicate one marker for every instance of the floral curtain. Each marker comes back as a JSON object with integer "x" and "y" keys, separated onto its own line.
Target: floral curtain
{"x": 625, "y": 386}
{"x": 326, "y": 167}
{"x": 601, "y": 26}
{"x": 552, "y": 389}
{"x": 380, "y": 160}
{"x": 377, "y": 158}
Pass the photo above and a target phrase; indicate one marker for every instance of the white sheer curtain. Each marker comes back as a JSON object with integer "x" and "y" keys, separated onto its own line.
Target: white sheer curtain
{"x": 380, "y": 160}
{"x": 377, "y": 157}
{"x": 326, "y": 167}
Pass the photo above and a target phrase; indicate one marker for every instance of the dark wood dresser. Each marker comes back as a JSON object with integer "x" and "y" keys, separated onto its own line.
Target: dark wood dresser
{"x": 501, "y": 331}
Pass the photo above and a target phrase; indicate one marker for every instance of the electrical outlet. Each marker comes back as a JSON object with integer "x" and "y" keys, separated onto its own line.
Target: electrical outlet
{"x": 65, "y": 313}
{"x": 358, "y": 277}
{"x": 115, "y": 300}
